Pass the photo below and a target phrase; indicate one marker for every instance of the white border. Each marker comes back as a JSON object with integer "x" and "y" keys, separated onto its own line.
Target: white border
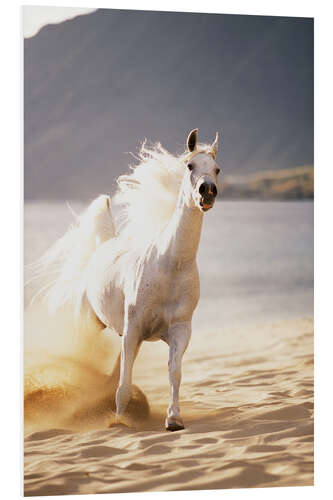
{"x": 11, "y": 226}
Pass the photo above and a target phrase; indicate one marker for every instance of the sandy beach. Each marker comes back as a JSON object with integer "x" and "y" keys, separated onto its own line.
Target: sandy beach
{"x": 247, "y": 388}
{"x": 248, "y": 416}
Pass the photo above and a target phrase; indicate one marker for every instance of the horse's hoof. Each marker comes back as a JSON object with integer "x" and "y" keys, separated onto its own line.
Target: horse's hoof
{"x": 119, "y": 424}
{"x": 174, "y": 424}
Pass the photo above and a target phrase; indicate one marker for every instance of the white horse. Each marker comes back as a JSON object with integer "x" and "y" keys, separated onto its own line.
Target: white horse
{"x": 141, "y": 281}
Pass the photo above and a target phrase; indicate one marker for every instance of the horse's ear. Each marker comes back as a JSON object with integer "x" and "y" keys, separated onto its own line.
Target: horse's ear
{"x": 192, "y": 140}
{"x": 215, "y": 145}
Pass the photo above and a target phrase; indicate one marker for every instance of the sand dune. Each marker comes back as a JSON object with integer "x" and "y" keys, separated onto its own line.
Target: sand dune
{"x": 247, "y": 400}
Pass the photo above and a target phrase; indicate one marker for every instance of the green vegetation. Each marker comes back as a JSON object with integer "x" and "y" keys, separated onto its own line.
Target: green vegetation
{"x": 290, "y": 183}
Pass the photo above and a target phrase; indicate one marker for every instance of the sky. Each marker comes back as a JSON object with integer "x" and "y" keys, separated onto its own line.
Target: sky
{"x": 35, "y": 17}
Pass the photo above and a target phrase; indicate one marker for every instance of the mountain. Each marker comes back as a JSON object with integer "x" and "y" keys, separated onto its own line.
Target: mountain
{"x": 97, "y": 85}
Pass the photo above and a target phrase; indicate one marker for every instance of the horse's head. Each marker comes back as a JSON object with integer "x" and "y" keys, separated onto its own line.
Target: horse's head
{"x": 202, "y": 171}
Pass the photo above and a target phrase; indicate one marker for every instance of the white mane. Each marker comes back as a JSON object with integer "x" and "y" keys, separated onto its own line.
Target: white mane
{"x": 148, "y": 195}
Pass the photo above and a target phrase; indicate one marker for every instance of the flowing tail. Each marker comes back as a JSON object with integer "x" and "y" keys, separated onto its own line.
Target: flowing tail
{"x": 67, "y": 259}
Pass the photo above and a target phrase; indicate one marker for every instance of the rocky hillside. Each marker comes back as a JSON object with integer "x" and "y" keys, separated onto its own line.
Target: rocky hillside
{"x": 97, "y": 85}
{"x": 284, "y": 184}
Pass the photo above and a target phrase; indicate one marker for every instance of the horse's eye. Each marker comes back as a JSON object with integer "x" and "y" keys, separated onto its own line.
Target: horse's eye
{"x": 217, "y": 171}
{"x": 190, "y": 166}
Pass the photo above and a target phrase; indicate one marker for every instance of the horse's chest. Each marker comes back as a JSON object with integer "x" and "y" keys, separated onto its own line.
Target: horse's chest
{"x": 170, "y": 296}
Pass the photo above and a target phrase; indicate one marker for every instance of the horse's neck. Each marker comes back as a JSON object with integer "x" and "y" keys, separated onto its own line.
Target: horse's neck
{"x": 184, "y": 230}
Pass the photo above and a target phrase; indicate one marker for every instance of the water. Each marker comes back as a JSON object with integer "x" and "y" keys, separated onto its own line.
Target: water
{"x": 255, "y": 258}
{"x": 256, "y": 262}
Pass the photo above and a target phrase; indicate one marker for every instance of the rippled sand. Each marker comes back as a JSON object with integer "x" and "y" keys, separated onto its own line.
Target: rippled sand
{"x": 247, "y": 402}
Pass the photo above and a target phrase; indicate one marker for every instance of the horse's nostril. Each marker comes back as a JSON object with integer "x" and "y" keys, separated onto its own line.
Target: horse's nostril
{"x": 202, "y": 188}
{"x": 208, "y": 188}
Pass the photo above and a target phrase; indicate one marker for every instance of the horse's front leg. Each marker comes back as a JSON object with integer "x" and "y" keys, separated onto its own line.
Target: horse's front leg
{"x": 129, "y": 350}
{"x": 178, "y": 339}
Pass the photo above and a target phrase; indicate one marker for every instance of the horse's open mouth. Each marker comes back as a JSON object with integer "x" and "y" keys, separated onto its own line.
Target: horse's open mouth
{"x": 205, "y": 206}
